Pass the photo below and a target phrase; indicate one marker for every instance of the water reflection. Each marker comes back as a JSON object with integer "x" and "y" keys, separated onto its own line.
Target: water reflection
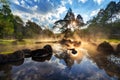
{"x": 62, "y": 66}
{"x": 42, "y": 59}
{"x": 103, "y": 62}
{"x": 5, "y": 70}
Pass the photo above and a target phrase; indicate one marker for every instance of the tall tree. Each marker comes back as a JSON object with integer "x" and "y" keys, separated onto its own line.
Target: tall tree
{"x": 6, "y": 20}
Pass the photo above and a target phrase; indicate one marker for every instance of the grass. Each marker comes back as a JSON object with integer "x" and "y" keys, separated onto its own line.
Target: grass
{"x": 114, "y": 40}
{"x": 5, "y": 42}
{"x": 110, "y": 40}
{"x": 7, "y": 52}
{"x": 15, "y": 42}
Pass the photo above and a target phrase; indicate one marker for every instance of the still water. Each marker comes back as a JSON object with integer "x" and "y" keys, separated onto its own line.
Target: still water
{"x": 57, "y": 67}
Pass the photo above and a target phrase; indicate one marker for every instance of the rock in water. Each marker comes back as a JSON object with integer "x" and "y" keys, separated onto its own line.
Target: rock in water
{"x": 16, "y": 56}
{"x": 27, "y": 52}
{"x": 73, "y": 51}
{"x": 45, "y": 51}
{"x": 105, "y": 47}
{"x": 118, "y": 49}
{"x": 48, "y": 48}
{"x": 3, "y": 58}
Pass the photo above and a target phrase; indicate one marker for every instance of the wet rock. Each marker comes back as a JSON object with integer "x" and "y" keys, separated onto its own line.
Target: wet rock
{"x": 73, "y": 51}
{"x": 17, "y": 63}
{"x": 3, "y": 58}
{"x": 66, "y": 41}
{"x": 48, "y": 49}
{"x": 42, "y": 59}
{"x": 45, "y": 51}
{"x": 27, "y": 52}
{"x": 77, "y": 43}
{"x": 118, "y": 49}
{"x": 69, "y": 42}
{"x": 105, "y": 47}
{"x": 16, "y": 56}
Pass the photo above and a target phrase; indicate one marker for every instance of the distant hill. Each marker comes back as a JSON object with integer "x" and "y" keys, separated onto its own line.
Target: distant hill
{"x": 107, "y": 22}
{"x": 110, "y": 14}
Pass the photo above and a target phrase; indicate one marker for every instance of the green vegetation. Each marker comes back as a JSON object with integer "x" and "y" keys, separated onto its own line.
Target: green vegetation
{"x": 12, "y": 26}
{"x": 106, "y": 22}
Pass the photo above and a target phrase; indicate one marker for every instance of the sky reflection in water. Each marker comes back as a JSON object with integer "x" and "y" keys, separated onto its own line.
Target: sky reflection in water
{"x": 54, "y": 68}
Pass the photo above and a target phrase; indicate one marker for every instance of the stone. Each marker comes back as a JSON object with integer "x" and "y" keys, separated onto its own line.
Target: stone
{"x": 105, "y": 47}
{"x": 73, "y": 51}
{"x": 118, "y": 49}
{"x": 27, "y": 52}
{"x": 16, "y": 56}
{"x": 45, "y": 51}
{"x": 3, "y": 58}
{"x": 48, "y": 49}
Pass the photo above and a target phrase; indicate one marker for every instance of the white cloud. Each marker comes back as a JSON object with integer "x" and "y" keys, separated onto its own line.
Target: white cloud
{"x": 34, "y": 8}
{"x": 35, "y": 0}
{"x": 70, "y": 1}
{"x": 98, "y": 1}
{"x": 93, "y": 13}
{"x": 85, "y": 17}
{"x": 83, "y": 1}
{"x": 15, "y": 1}
{"x": 42, "y": 19}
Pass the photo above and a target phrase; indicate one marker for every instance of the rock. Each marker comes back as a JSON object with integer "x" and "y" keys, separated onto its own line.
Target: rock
{"x": 17, "y": 63}
{"x": 45, "y": 51}
{"x": 3, "y": 58}
{"x": 105, "y": 47}
{"x": 118, "y": 49}
{"x": 42, "y": 59}
{"x": 48, "y": 48}
{"x": 73, "y": 51}
{"x": 77, "y": 43}
{"x": 66, "y": 41}
{"x": 27, "y": 52}
{"x": 16, "y": 56}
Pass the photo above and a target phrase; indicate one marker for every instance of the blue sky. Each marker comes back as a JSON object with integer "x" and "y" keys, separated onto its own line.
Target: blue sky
{"x": 46, "y": 12}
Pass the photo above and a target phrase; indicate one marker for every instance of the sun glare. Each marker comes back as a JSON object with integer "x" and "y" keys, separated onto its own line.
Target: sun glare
{"x": 74, "y": 23}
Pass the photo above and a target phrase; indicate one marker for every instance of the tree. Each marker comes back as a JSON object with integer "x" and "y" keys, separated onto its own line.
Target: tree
{"x": 69, "y": 23}
{"x": 32, "y": 29}
{"x": 18, "y": 28}
{"x": 6, "y": 20}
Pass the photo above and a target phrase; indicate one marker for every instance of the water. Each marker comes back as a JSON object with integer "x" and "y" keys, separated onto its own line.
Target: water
{"x": 57, "y": 67}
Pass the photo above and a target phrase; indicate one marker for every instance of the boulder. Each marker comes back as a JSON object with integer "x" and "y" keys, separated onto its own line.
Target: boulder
{"x": 16, "y": 56}
{"x": 3, "y": 58}
{"x": 48, "y": 49}
{"x": 73, "y": 51}
{"x": 77, "y": 43}
{"x": 45, "y": 51}
{"x": 118, "y": 49}
{"x": 27, "y": 52}
{"x": 105, "y": 47}
{"x": 17, "y": 63}
{"x": 42, "y": 59}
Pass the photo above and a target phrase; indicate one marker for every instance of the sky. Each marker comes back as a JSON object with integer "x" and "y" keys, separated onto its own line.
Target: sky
{"x": 46, "y": 12}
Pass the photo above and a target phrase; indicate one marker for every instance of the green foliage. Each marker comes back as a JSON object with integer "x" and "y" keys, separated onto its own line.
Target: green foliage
{"x": 103, "y": 24}
{"x": 32, "y": 29}
{"x": 18, "y": 28}
{"x": 6, "y": 26}
{"x": 47, "y": 33}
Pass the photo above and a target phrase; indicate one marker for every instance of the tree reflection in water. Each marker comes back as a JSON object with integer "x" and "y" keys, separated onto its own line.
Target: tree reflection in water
{"x": 5, "y": 69}
{"x": 62, "y": 66}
